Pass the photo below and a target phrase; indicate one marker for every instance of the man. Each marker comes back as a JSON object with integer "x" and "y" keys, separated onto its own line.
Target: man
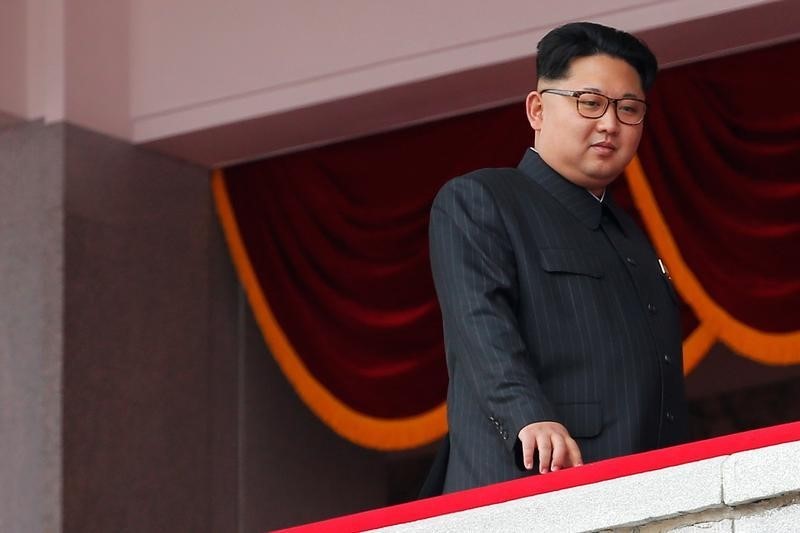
{"x": 561, "y": 328}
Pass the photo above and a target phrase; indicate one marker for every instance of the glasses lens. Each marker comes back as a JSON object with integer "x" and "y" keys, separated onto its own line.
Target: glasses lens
{"x": 630, "y": 111}
{"x": 592, "y": 105}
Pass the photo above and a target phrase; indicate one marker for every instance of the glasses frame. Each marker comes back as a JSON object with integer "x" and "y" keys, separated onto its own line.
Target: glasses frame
{"x": 608, "y": 99}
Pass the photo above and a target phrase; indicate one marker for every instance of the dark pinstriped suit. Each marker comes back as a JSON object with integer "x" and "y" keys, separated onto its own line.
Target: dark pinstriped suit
{"x": 555, "y": 308}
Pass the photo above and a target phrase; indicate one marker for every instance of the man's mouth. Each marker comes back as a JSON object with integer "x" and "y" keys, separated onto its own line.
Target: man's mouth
{"x": 604, "y": 147}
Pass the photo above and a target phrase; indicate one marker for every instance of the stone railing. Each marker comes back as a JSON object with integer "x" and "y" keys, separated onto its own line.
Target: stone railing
{"x": 745, "y": 482}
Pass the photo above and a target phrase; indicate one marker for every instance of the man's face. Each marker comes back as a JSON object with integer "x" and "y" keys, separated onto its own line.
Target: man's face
{"x": 588, "y": 152}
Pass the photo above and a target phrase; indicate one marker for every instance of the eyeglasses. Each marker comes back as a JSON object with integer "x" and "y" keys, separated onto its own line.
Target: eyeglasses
{"x": 594, "y": 105}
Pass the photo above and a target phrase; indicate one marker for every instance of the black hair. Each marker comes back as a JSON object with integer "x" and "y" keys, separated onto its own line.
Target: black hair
{"x": 560, "y": 46}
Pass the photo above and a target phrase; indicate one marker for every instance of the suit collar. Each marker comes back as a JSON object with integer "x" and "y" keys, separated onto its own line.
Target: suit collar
{"x": 574, "y": 198}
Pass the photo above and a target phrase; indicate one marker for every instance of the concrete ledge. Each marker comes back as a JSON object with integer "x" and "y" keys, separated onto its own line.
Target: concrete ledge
{"x": 762, "y": 473}
{"x": 638, "y": 498}
{"x": 722, "y": 526}
{"x": 783, "y": 519}
{"x": 742, "y": 482}
{"x": 709, "y": 485}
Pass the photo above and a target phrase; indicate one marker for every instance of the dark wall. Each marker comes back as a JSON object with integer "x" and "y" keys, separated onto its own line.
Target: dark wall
{"x": 136, "y": 393}
{"x": 294, "y": 469}
{"x": 149, "y": 389}
{"x": 729, "y": 393}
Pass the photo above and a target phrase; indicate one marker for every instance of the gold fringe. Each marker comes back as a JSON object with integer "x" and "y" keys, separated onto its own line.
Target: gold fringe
{"x": 364, "y": 430}
{"x": 715, "y": 322}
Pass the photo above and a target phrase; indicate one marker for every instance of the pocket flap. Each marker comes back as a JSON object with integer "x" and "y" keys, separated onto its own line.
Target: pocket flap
{"x": 571, "y": 261}
{"x": 582, "y": 419}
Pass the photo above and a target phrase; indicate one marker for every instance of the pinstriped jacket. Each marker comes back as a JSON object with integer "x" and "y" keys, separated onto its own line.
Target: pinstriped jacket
{"x": 554, "y": 308}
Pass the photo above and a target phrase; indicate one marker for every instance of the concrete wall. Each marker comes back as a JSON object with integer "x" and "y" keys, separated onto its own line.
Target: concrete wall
{"x": 31, "y": 327}
{"x": 141, "y": 402}
{"x": 112, "y": 268}
{"x": 202, "y": 64}
{"x": 754, "y": 490}
{"x": 285, "y": 73}
{"x": 32, "y": 57}
{"x": 13, "y": 56}
{"x": 136, "y": 392}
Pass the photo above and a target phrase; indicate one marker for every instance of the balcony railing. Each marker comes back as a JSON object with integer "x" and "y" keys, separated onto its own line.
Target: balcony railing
{"x": 746, "y": 481}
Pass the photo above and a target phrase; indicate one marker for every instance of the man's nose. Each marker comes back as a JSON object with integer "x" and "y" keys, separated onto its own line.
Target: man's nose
{"x": 609, "y": 121}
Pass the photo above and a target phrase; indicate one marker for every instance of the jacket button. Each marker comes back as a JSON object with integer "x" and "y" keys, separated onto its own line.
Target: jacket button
{"x": 651, "y": 308}
{"x": 630, "y": 260}
{"x": 667, "y": 359}
{"x": 670, "y": 417}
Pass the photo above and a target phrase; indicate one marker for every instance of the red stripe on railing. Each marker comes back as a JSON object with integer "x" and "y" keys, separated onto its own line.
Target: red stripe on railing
{"x": 573, "y": 477}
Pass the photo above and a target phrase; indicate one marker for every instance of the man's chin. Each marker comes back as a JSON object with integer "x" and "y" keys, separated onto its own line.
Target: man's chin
{"x": 605, "y": 175}
{"x": 597, "y": 183}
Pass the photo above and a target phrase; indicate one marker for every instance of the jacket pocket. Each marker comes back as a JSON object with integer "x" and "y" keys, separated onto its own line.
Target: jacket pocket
{"x": 569, "y": 261}
{"x": 582, "y": 419}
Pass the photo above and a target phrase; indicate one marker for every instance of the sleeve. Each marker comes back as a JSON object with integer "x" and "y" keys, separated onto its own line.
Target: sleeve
{"x": 475, "y": 275}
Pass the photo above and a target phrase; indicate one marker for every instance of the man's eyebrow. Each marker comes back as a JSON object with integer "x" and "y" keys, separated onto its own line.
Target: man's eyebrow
{"x": 626, "y": 95}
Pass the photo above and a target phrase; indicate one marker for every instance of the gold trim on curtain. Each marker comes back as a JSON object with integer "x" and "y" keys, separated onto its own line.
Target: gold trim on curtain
{"x": 715, "y": 322}
{"x": 363, "y": 430}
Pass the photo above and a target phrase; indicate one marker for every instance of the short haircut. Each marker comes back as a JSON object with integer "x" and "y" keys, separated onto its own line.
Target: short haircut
{"x": 560, "y": 46}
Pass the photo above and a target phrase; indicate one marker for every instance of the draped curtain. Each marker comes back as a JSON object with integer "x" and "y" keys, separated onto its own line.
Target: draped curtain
{"x": 331, "y": 244}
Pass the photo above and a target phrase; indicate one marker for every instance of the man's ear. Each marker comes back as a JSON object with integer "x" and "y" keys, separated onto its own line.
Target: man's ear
{"x": 533, "y": 108}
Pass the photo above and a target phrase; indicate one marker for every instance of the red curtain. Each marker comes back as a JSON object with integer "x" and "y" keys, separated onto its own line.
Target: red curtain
{"x": 339, "y": 239}
{"x": 336, "y": 237}
{"x": 722, "y": 154}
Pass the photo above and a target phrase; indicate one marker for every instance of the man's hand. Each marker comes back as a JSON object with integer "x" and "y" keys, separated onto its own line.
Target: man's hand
{"x": 556, "y": 448}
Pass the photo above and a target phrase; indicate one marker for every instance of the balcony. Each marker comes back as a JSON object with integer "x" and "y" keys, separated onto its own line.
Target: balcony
{"x": 744, "y": 482}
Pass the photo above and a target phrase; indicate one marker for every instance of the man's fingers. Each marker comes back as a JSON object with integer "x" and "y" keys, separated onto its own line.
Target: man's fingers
{"x": 545, "y": 452}
{"x": 527, "y": 453}
{"x": 559, "y": 453}
{"x": 551, "y": 441}
{"x": 574, "y": 452}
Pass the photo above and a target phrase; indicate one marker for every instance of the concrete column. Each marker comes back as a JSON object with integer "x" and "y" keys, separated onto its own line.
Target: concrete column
{"x": 150, "y": 402}
{"x": 136, "y": 392}
{"x": 31, "y": 327}
{"x": 118, "y": 335}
